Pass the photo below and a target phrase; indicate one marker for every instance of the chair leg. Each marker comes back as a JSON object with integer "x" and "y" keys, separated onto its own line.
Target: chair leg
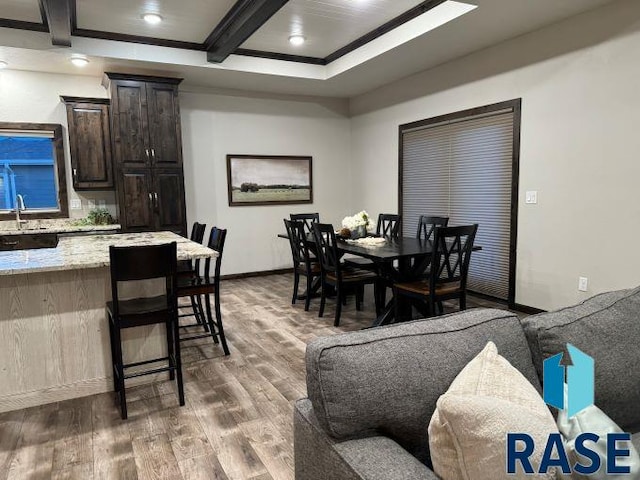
{"x": 178, "y": 360}
{"x": 440, "y": 308}
{"x": 116, "y": 385}
{"x": 201, "y": 313}
{"x": 377, "y": 296}
{"x": 323, "y": 299}
{"x": 172, "y": 338}
{"x": 463, "y": 301}
{"x": 359, "y": 295}
{"x": 307, "y": 300}
{"x": 223, "y": 339}
{"x": 339, "y": 297}
{"x": 196, "y": 312}
{"x": 120, "y": 370}
{"x": 296, "y": 283}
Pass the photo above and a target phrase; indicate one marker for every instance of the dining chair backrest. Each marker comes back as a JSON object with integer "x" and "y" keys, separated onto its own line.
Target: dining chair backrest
{"x": 216, "y": 242}
{"x": 327, "y": 248}
{"x": 451, "y": 255}
{"x": 144, "y": 263}
{"x": 427, "y": 225}
{"x": 197, "y": 235}
{"x": 297, "y": 242}
{"x": 308, "y": 219}
{"x": 388, "y": 225}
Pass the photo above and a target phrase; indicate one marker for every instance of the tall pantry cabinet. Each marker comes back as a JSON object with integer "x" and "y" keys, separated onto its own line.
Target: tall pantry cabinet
{"x": 147, "y": 152}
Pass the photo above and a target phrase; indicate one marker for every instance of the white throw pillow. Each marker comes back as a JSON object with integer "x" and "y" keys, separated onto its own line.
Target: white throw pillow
{"x": 594, "y": 420}
{"x": 468, "y": 431}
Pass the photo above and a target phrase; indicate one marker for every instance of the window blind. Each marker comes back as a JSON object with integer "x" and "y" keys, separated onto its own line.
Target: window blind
{"x": 463, "y": 170}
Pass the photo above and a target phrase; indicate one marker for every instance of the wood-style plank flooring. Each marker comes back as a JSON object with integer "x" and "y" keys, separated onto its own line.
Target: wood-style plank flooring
{"x": 237, "y": 423}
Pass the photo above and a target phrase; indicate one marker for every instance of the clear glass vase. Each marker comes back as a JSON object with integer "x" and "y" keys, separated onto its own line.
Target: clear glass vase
{"x": 359, "y": 232}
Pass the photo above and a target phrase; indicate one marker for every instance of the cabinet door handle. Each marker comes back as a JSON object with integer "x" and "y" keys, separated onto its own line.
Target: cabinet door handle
{"x": 10, "y": 244}
{"x": 155, "y": 196}
{"x": 153, "y": 153}
{"x": 75, "y": 172}
{"x": 151, "y": 198}
{"x": 146, "y": 150}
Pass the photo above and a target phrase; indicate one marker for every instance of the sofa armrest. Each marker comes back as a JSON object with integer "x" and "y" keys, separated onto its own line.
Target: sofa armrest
{"x": 319, "y": 457}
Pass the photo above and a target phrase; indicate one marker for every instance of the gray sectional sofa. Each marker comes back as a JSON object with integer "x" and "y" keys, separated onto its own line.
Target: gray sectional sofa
{"x": 372, "y": 393}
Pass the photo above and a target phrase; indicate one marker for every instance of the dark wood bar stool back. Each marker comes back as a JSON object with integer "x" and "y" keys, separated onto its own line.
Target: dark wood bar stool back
{"x": 204, "y": 286}
{"x": 134, "y": 264}
{"x": 336, "y": 274}
{"x": 303, "y": 263}
{"x": 308, "y": 219}
{"x": 449, "y": 270}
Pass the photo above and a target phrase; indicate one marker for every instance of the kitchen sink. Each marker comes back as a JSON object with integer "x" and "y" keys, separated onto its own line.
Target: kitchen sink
{"x": 28, "y": 241}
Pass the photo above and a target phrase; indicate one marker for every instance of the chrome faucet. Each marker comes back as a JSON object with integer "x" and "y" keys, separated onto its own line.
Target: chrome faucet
{"x": 20, "y": 208}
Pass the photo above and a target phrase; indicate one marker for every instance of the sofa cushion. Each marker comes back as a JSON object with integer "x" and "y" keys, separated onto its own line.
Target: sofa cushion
{"x": 606, "y": 327}
{"x": 386, "y": 381}
{"x": 486, "y": 401}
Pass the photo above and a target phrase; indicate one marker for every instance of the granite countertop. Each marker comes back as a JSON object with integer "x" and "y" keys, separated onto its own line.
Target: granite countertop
{"x": 8, "y": 227}
{"x": 92, "y": 251}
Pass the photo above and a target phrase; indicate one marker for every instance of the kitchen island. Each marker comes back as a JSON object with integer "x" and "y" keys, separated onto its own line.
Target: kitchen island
{"x": 54, "y": 335}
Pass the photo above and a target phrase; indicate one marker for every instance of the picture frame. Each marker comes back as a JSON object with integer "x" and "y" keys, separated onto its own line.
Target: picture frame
{"x": 254, "y": 180}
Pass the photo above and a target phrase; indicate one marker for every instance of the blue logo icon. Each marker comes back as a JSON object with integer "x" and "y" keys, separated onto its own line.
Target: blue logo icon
{"x": 577, "y": 372}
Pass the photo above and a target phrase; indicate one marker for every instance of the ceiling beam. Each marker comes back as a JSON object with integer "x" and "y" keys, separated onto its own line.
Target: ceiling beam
{"x": 244, "y": 18}
{"x": 57, "y": 14}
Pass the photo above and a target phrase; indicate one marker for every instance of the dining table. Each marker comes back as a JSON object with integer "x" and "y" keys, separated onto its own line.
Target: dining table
{"x": 399, "y": 259}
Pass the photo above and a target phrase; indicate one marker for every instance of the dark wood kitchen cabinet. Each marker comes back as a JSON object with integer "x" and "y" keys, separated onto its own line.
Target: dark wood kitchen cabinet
{"x": 89, "y": 143}
{"x": 147, "y": 151}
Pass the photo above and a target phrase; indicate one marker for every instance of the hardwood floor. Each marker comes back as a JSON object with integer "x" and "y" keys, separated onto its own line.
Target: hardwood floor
{"x": 237, "y": 423}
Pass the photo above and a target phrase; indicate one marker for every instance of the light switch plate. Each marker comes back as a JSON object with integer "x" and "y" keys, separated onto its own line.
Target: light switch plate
{"x": 531, "y": 197}
{"x": 583, "y": 284}
{"x": 102, "y": 203}
{"x": 76, "y": 204}
{"x": 91, "y": 204}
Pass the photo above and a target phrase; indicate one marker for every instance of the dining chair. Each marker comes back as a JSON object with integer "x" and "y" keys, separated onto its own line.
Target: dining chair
{"x": 206, "y": 285}
{"x": 308, "y": 219}
{"x": 427, "y": 225}
{"x": 303, "y": 264}
{"x": 136, "y": 264}
{"x": 335, "y": 274}
{"x": 449, "y": 268}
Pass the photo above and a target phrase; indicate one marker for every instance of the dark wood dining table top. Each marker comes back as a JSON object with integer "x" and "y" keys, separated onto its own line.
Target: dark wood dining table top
{"x": 394, "y": 248}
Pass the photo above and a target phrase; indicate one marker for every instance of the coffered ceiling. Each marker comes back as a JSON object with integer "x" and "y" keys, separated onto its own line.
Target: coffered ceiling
{"x": 351, "y": 46}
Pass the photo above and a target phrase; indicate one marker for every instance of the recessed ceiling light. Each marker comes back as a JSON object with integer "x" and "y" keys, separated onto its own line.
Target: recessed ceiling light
{"x": 79, "y": 60}
{"x": 152, "y": 18}
{"x": 3, "y": 64}
{"x": 296, "y": 40}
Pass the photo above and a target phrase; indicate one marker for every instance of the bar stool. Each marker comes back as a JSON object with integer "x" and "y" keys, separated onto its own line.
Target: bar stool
{"x": 207, "y": 285}
{"x": 188, "y": 268}
{"x": 144, "y": 263}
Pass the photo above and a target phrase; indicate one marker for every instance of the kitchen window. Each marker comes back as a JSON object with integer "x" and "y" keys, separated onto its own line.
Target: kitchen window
{"x": 32, "y": 173}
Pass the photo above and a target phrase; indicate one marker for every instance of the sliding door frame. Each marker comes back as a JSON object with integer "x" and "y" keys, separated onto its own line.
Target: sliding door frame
{"x": 516, "y": 107}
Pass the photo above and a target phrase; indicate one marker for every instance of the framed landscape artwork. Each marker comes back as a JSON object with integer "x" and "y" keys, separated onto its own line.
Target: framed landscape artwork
{"x": 269, "y": 180}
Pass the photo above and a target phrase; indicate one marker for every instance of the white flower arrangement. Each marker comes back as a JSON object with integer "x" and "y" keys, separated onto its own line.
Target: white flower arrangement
{"x": 360, "y": 219}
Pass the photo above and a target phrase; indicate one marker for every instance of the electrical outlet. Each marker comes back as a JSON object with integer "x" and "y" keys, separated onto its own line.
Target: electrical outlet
{"x": 531, "y": 197}
{"x": 91, "y": 204}
{"x": 76, "y": 204}
{"x": 102, "y": 203}
{"x": 583, "y": 284}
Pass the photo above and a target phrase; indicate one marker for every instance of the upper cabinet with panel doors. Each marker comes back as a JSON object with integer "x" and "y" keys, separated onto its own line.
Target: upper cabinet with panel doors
{"x": 145, "y": 120}
{"x": 147, "y": 152}
{"x": 89, "y": 143}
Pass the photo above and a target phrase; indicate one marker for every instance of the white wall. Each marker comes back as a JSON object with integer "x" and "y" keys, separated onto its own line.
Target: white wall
{"x": 215, "y": 125}
{"x": 33, "y": 97}
{"x": 580, "y": 85}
